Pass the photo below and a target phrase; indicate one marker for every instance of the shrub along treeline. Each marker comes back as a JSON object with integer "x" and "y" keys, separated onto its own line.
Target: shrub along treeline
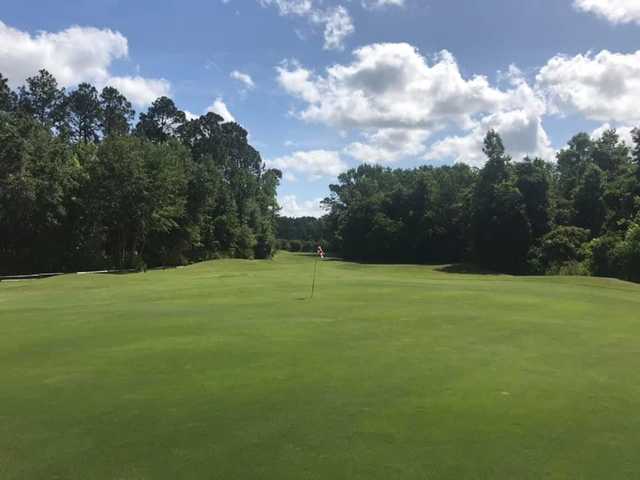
{"x": 578, "y": 215}
{"x": 81, "y": 188}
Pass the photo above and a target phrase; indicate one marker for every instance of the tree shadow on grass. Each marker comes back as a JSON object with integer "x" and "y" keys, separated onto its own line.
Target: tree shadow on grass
{"x": 466, "y": 269}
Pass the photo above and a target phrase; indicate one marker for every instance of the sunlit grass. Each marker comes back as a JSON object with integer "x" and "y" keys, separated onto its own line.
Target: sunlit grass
{"x": 227, "y": 370}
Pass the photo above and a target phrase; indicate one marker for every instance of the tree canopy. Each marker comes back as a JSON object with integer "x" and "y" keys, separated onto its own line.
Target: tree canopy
{"x": 580, "y": 214}
{"x": 82, "y": 187}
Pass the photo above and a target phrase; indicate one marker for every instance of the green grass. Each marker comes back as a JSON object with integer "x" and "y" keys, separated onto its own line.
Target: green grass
{"x": 224, "y": 370}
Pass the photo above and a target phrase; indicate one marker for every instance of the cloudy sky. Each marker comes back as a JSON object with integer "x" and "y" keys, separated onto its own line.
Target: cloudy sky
{"x": 323, "y": 85}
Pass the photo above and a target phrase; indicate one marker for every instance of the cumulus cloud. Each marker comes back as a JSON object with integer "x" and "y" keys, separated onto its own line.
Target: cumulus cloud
{"x": 140, "y": 91}
{"x": 221, "y": 109}
{"x": 603, "y": 87}
{"x": 336, "y": 21}
{"x": 390, "y": 85}
{"x": 243, "y": 78}
{"x": 396, "y": 98}
{"x": 314, "y": 164}
{"x": 74, "y": 55}
{"x": 624, "y": 132}
{"x": 522, "y": 134}
{"x": 292, "y": 207}
{"x": 615, "y": 11}
{"x": 388, "y": 145}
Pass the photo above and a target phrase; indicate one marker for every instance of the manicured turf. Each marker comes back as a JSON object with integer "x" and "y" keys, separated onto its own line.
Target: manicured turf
{"x": 224, "y": 370}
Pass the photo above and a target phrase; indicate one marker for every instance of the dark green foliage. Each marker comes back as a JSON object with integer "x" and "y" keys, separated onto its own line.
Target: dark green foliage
{"x": 43, "y": 100}
{"x": 84, "y": 113}
{"x": 8, "y": 99}
{"x": 577, "y": 216}
{"x": 116, "y": 112}
{"x": 560, "y": 247}
{"x": 502, "y": 231}
{"x": 161, "y": 122}
{"x": 38, "y": 176}
{"x": 589, "y": 206}
{"x": 379, "y": 214}
{"x": 617, "y": 255}
{"x": 77, "y": 191}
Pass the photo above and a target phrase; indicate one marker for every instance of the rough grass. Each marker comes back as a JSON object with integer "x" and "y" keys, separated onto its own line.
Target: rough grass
{"x": 225, "y": 370}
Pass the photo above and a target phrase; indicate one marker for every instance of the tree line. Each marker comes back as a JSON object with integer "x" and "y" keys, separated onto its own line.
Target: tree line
{"x": 578, "y": 215}
{"x": 85, "y": 184}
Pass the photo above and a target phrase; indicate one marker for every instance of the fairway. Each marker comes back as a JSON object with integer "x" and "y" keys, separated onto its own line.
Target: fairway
{"x": 226, "y": 370}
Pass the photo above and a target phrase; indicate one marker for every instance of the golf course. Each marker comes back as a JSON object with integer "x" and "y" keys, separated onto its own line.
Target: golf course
{"x": 228, "y": 370}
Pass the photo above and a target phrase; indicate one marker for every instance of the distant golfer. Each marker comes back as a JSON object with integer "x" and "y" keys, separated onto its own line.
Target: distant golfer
{"x": 320, "y": 252}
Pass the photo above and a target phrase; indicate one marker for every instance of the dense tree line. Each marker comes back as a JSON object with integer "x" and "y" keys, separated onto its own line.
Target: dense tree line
{"x": 580, "y": 214}
{"x": 84, "y": 187}
{"x": 302, "y": 234}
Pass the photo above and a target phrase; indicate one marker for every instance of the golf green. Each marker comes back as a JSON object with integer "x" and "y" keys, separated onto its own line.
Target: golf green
{"x": 227, "y": 370}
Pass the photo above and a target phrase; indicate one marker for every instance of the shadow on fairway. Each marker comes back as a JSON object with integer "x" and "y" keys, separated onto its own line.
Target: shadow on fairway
{"x": 465, "y": 268}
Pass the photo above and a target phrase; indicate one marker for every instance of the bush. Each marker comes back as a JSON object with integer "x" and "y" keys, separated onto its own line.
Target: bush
{"x": 295, "y": 246}
{"x": 283, "y": 244}
{"x": 571, "y": 268}
{"x": 628, "y": 253}
{"x": 602, "y": 256}
{"x": 558, "y": 249}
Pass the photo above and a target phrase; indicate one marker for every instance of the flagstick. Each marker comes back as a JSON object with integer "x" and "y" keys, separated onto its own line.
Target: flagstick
{"x": 313, "y": 285}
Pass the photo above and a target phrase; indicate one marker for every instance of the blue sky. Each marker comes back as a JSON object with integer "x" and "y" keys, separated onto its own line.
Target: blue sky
{"x": 322, "y": 85}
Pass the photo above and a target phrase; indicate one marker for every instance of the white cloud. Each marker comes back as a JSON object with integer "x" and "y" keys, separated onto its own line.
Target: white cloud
{"x": 190, "y": 115}
{"x": 292, "y": 207}
{"x": 388, "y": 145}
{"x": 244, "y": 78}
{"x": 337, "y": 26}
{"x": 376, "y": 4}
{"x": 397, "y": 98}
{"x": 623, "y": 131}
{"x": 391, "y": 85}
{"x": 603, "y": 87}
{"x": 140, "y": 91}
{"x": 615, "y": 11}
{"x": 74, "y": 55}
{"x": 314, "y": 164}
{"x": 221, "y": 109}
{"x": 521, "y": 132}
{"x": 336, "y": 20}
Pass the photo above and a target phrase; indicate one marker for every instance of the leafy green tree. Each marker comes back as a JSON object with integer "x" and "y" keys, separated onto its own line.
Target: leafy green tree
{"x": 8, "y": 98}
{"x": 162, "y": 121}
{"x": 137, "y": 193}
{"x": 117, "y": 112}
{"x": 590, "y": 209}
{"x": 572, "y": 162}
{"x": 610, "y": 153}
{"x": 628, "y": 253}
{"x": 561, "y": 246}
{"x": 44, "y": 100}
{"x": 84, "y": 113}
{"x": 502, "y": 232}
{"x": 37, "y": 178}
{"x": 533, "y": 182}
{"x": 635, "y": 152}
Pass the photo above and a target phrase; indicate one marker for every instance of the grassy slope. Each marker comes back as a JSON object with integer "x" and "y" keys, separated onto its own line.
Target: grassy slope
{"x": 223, "y": 370}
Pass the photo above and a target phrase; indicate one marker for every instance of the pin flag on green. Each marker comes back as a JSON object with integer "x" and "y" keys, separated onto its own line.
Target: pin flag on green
{"x": 319, "y": 255}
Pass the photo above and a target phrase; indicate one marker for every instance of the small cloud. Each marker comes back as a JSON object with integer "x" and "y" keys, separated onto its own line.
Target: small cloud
{"x": 243, "y": 78}
{"x": 336, "y": 20}
{"x": 221, "y": 109}
{"x": 378, "y": 4}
